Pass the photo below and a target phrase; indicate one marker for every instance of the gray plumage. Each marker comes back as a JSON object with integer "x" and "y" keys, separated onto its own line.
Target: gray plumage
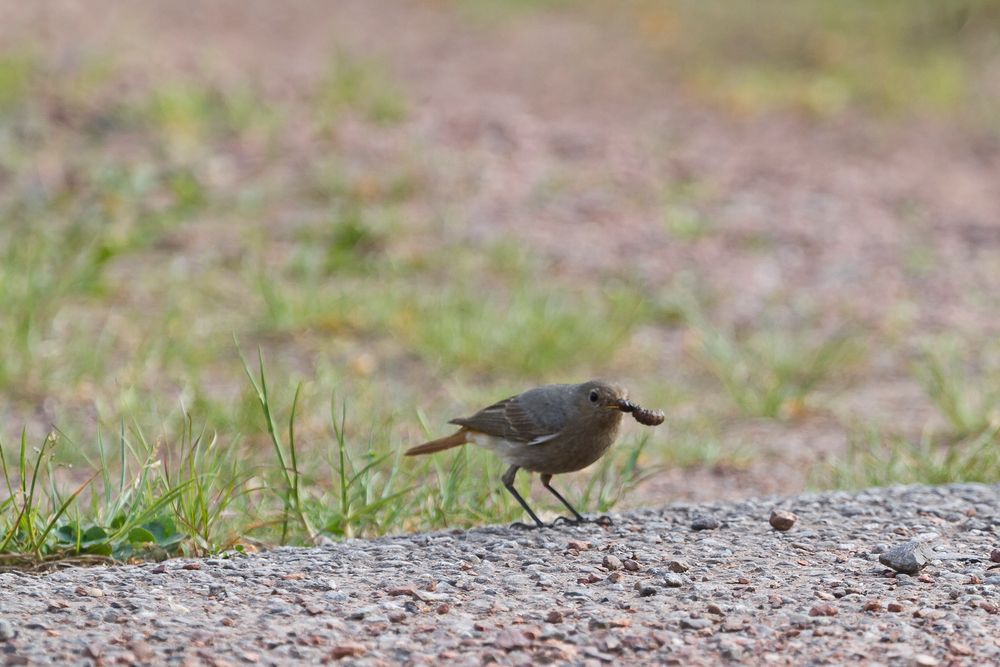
{"x": 553, "y": 429}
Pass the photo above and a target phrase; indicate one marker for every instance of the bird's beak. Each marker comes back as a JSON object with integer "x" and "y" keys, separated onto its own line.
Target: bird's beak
{"x": 622, "y": 404}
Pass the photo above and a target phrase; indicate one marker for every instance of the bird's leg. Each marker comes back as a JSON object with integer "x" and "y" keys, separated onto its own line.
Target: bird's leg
{"x": 578, "y": 518}
{"x": 508, "y": 481}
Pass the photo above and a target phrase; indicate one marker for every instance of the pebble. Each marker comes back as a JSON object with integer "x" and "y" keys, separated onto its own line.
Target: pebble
{"x": 782, "y": 519}
{"x": 347, "y": 651}
{"x": 824, "y": 609}
{"x": 704, "y": 522}
{"x": 612, "y": 562}
{"x": 908, "y": 557}
{"x": 7, "y": 631}
{"x": 748, "y": 595}
{"x": 647, "y": 590}
{"x": 695, "y": 623}
{"x": 678, "y": 566}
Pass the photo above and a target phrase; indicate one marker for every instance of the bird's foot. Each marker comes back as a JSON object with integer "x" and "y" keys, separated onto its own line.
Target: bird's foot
{"x": 520, "y": 525}
{"x": 604, "y": 520}
{"x": 560, "y": 520}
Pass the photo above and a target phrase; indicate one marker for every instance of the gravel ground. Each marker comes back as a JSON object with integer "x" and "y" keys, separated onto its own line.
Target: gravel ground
{"x": 688, "y": 584}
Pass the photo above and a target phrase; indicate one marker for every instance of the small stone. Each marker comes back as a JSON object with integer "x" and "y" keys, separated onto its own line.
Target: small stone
{"x": 402, "y": 590}
{"x": 894, "y": 607}
{"x": 908, "y": 557}
{"x": 647, "y": 590}
{"x": 873, "y": 605}
{"x": 143, "y": 652}
{"x": 349, "y": 650}
{"x": 995, "y": 555}
{"x": 612, "y": 562}
{"x": 671, "y": 580}
{"x": 397, "y": 616}
{"x": 631, "y": 565}
{"x": 577, "y": 545}
{"x": 695, "y": 623}
{"x": 958, "y": 648}
{"x": 823, "y": 609}
{"x": 443, "y": 608}
{"x": 715, "y": 609}
{"x": 510, "y": 640}
{"x": 89, "y": 591}
{"x": 782, "y": 519}
{"x": 7, "y": 631}
{"x": 704, "y": 522}
{"x": 924, "y": 660}
{"x": 678, "y": 566}
{"x": 734, "y": 625}
{"x": 730, "y": 651}
{"x": 554, "y": 616}
{"x": 615, "y": 577}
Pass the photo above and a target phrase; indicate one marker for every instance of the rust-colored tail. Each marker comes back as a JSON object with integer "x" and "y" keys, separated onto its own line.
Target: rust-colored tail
{"x": 459, "y": 437}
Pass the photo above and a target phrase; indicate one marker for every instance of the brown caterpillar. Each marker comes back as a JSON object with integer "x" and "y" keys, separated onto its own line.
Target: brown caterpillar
{"x": 641, "y": 414}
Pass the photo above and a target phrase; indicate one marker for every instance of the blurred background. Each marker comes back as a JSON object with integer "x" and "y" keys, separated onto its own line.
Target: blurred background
{"x": 779, "y": 223}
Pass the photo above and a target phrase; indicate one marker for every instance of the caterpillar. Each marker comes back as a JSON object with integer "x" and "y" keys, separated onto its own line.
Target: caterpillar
{"x": 642, "y": 415}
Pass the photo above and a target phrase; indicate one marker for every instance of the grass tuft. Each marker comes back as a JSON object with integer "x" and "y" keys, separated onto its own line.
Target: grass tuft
{"x": 877, "y": 459}
{"x": 772, "y": 373}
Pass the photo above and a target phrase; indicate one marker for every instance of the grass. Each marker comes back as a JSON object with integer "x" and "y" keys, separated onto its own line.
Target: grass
{"x": 360, "y": 86}
{"x": 967, "y": 400}
{"x": 194, "y": 496}
{"x": 878, "y": 459}
{"x": 771, "y": 373}
{"x": 147, "y": 220}
{"x": 888, "y": 59}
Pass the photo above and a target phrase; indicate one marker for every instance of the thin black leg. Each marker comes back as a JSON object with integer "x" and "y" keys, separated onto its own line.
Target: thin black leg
{"x": 508, "y": 481}
{"x": 545, "y": 482}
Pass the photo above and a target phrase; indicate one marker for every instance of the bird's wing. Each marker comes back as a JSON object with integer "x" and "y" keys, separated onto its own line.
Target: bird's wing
{"x": 511, "y": 420}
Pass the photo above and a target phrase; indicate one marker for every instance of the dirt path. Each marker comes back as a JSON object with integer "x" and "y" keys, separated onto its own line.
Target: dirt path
{"x": 652, "y": 589}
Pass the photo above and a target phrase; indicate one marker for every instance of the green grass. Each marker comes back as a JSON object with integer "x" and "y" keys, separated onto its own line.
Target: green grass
{"x": 363, "y": 87}
{"x": 187, "y": 493}
{"x": 889, "y": 58}
{"x": 148, "y": 220}
{"x": 772, "y": 372}
{"x": 967, "y": 399}
{"x": 875, "y": 458}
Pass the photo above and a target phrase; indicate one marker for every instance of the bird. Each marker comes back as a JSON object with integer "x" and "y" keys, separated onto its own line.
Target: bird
{"x": 550, "y": 430}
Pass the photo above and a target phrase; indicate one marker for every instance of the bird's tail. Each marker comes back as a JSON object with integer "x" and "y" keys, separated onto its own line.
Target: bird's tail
{"x": 459, "y": 437}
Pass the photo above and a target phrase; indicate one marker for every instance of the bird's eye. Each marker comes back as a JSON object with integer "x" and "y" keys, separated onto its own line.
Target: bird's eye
{"x": 594, "y": 396}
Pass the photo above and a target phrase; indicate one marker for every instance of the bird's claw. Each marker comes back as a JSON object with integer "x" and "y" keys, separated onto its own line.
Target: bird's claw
{"x": 526, "y": 526}
{"x": 559, "y": 520}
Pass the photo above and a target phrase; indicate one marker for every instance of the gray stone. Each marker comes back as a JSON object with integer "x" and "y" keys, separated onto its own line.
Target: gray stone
{"x": 908, "y": 557}
{"x": 704, "y": 522}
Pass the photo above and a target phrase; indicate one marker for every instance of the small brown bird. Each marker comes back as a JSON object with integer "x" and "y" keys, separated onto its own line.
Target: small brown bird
{"x": 557, "y": 428}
